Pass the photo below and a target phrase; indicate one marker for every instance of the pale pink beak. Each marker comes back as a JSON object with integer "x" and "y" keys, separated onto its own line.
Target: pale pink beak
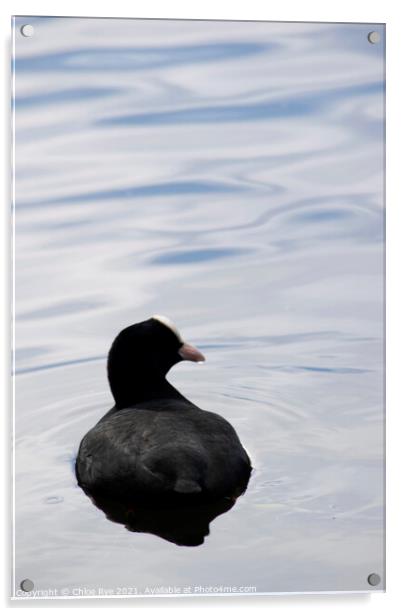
{"x": 190, "y": 353}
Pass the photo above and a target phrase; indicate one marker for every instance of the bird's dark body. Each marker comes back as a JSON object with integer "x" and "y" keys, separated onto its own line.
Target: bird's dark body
{"x": 178, "y": 449}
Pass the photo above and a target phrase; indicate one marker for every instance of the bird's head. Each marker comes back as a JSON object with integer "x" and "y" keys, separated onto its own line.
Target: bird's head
{"x": 142, "y": 354}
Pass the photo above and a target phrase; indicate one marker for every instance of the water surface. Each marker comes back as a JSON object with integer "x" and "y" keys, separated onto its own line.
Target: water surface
{"x": 230, "y": 176}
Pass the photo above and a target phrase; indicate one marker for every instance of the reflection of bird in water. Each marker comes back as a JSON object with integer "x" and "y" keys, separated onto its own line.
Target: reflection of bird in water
{"x": 184, "y": 524}
{"x": 154, "y": 445}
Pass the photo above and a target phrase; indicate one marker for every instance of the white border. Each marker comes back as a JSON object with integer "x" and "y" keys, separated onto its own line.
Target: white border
{"x": 287, "y": 10}
{"x": 13, "y": 296}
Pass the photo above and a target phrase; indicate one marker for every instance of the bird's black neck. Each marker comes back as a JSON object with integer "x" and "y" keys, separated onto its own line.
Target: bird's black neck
{"x": 131, "y": 391}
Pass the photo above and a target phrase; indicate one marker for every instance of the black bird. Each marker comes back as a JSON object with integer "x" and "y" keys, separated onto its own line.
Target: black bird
{"x": 154, "y": 444}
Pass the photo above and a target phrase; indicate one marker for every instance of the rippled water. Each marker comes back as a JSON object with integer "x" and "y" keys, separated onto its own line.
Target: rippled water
{"x": 230, "y": 176}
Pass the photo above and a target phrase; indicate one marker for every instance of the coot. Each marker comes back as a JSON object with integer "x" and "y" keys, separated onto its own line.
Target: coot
{"x": 154, "y": 443}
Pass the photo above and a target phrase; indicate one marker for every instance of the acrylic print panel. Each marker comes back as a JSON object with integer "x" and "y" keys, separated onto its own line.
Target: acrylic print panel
{"x": 229, "y": 176}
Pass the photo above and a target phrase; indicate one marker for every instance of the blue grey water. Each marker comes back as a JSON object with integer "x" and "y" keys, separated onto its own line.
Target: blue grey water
{"x": 230, "y": 176}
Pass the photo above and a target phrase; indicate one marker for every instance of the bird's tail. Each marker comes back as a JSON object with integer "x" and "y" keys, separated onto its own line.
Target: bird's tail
{"x": 180, "y": 468}
{"x": 186, "y": 486}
